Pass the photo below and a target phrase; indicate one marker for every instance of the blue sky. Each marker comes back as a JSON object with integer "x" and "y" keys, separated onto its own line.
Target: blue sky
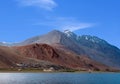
{"x": 21, "y": 19}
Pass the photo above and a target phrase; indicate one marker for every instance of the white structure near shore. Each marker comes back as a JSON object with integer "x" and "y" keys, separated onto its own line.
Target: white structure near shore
{"x": 49, "y": 70}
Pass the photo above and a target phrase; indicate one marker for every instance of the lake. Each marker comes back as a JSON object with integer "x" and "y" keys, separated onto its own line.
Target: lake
{"x": 59, "y": 78}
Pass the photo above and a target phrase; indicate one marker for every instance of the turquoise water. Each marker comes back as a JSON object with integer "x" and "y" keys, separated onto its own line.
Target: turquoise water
{"x": 59, "y": 78}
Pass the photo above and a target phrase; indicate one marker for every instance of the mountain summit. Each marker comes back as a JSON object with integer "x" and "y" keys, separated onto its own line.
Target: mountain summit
{"x": 50, "y": 38}
{"x": 70, "y": 34}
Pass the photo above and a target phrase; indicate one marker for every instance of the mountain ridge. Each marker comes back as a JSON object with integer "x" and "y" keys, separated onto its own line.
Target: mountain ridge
{"x": 93, "y": 47}
{"x": 96, "y": 48}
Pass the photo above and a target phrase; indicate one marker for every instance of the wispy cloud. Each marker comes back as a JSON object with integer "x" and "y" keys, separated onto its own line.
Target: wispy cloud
{"x": 74, "y": 27}
{"x": 73, "y": 24}
{"x": 44, "y": 4}
{"x": 63, "y": 23}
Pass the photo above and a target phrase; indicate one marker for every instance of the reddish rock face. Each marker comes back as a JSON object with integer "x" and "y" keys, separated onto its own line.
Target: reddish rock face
{"x": 11, "y": 58}
{"x": 38, "y": 51}
{"x": 58, "y": 56}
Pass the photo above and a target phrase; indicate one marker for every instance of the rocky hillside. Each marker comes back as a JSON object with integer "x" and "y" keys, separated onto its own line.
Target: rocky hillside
{"x": 10, "y": 58}
{"x": 60, "y": 57}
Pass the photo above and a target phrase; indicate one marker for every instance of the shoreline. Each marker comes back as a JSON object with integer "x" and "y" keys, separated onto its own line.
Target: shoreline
{"x": 56, "y": 72}
{"x": 36, "y": 70}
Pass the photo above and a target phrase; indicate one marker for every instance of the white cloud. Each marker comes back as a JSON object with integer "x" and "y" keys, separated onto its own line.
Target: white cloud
{"x": 63, "y": 23}
{"x": 44, "y": 4}
{"x": 74, "y": 26}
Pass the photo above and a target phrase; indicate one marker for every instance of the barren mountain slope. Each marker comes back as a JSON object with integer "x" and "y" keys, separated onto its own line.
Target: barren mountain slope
{"x": 9, "y": 58}
{"x": 60, "y": 57}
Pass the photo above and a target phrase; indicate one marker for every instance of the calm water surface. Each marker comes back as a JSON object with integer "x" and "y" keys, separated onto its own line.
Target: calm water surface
{"x": 59, "y": 78}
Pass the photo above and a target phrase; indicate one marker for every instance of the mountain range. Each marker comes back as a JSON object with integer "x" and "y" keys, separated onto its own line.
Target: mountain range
{"x": 61, "y": 50}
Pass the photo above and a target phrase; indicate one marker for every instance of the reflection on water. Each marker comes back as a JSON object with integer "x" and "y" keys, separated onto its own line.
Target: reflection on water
{"x": 59, "y": 78}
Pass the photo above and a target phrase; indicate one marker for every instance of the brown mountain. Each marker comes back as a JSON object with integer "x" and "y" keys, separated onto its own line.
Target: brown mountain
{"x": 60, "y": 56}
{"x": 11, "y": 58}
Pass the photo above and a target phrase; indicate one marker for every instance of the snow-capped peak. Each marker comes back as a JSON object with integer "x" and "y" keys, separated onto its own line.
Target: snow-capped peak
{"x": 70, "y": 34}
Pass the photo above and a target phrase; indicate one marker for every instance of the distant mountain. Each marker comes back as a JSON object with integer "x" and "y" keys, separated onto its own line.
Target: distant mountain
{"x": 92, "y": 46}
{"x": 8, "y": 44}
{"x": 3, "y": 43}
